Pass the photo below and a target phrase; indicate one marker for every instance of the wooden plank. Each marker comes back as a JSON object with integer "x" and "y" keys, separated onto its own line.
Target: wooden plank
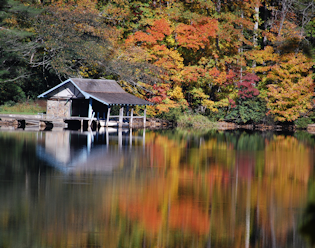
{"x": 121, "y": 114}
{"x": 21, "y": 117}
{"x": 91, "y": 121}
{"x": 145, "y": 116}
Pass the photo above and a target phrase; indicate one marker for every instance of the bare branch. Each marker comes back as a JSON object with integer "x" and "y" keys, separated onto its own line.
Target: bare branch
{"x": 22, "y": 76}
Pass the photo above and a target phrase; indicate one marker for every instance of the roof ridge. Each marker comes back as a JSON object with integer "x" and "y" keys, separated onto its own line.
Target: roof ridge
{"x": 100, "y": 79}
{"x": 106, "y": 92}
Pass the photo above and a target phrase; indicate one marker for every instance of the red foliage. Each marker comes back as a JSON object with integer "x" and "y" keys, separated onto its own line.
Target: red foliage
{"x": 160, "y": 93}
{"x": 247, "y": 86}
{"x": 232, "y": 103}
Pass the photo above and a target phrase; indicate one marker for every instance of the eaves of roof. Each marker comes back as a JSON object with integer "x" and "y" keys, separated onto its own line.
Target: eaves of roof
{"x": 116, "y": 98}
{"x": 44, "y": 95}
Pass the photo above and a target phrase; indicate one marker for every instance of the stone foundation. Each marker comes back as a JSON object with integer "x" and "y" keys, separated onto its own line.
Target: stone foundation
{"x": 59, "y": 108}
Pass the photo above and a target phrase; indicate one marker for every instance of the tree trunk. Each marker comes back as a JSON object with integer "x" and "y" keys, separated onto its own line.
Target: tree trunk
{"x": 218, "y": 9}
{"x": 256, "y": 26}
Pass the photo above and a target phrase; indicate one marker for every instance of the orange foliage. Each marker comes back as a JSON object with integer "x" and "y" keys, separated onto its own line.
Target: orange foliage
{"x": 197, "y": 36}
{"x": 157, "y": 32}
{"x": 154, "y": 41}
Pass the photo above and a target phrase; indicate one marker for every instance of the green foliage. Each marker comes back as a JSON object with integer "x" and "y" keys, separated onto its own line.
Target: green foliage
{"x": 218, "y": 115}
{"x": 302, "y": 122}
{"x": 29, "y": 107}
{"x": 73, "y": 44}
{"x": 172, "y": 115}
{"x": 310, "y": 34}
{"x": 15, "y": 42}
{"x": 251, "y": 110}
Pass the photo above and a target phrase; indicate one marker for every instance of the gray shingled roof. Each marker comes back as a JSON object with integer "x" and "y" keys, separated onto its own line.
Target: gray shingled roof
{"x": 98, "y": 85}
{"x": 106, "y": 91}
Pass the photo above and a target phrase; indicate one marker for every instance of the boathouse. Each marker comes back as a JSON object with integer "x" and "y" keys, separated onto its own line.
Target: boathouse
{"x": 91, "y": 99}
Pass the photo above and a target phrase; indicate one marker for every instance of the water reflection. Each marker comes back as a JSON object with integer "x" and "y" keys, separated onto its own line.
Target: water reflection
{"x": 102, "y": 151}
{"x": 166, "y": 188}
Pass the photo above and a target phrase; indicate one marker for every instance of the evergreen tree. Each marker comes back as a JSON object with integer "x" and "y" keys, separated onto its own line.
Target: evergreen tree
{"x": 15, "y": 43}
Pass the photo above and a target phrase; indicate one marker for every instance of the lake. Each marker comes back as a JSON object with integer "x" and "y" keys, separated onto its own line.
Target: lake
{"x": 163, "y": 188}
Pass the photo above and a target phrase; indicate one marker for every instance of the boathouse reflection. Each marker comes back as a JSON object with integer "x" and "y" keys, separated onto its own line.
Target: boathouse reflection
{"x": 91, "y": 152}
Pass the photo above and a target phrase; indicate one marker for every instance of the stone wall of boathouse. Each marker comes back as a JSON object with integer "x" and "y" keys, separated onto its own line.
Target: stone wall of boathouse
{"x": 59, "y": 108}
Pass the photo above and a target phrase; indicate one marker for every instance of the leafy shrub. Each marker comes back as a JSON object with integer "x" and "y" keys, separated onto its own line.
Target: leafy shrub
{"x": 9, "y": 103}
{"x": 194, "y": 121}
{"x": 172, "y": 115}
{"x": 302, "y": 122}
{"x": 251, "y": 110}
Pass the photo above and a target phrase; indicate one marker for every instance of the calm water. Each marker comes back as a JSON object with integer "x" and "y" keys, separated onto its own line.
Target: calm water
{"x": 156, "y": 189}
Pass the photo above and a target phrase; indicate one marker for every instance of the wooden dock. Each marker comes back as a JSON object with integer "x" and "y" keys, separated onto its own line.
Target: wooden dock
{"x": 32, "y": 120}
{"x": 42, "y": 120}
{"x": 311, "y": 128}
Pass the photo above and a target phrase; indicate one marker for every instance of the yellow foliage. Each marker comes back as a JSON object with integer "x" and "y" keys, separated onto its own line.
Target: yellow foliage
{"x": 222, "y": 103}
{"x": 166, "y": 105}
{"x": 12, "y": 21}
{"x": 209, "y": 105}
{"x": 151, "y": 110}
{"x": 176, "y": 93}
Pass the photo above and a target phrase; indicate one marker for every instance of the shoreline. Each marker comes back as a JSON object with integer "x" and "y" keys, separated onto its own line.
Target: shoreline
{"x": 156, "y": 123}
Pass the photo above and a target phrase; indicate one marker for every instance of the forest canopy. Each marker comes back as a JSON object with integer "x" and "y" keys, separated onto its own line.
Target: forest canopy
{"x": 246, "y": 61}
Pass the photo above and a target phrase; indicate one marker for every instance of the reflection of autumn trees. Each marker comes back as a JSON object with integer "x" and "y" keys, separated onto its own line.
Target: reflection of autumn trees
{"x": 187, "y": 191}
{"x": 286, "y": 157}
{"x": 288, "y": 165}
{"x": 263, "y": 188}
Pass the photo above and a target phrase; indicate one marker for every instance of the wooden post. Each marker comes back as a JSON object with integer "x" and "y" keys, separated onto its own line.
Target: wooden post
{"x": 145, "y": 116}
{"x": 107, "y": 118}
{"x": 121, "y": 114}
{"x": 82, "y": 125}
{"x": 90, "y": 108}
{"x": 131, "y": 118}
{"x": 90, "y": 121}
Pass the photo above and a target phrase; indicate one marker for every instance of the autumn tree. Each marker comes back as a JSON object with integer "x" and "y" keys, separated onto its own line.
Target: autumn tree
{"x": 178, "y": 54}
{"x": 287, "y": 84}
{"x": 248, "y": 107}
